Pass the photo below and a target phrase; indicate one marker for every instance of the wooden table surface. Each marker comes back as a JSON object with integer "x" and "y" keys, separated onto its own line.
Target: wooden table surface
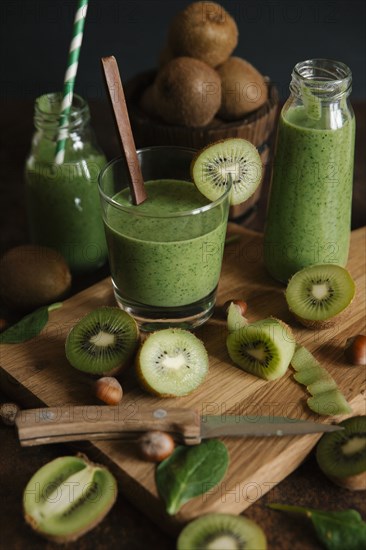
{"x": 125, "y": 527}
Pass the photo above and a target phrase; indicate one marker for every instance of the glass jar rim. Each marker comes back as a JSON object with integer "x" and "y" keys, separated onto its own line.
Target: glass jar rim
{"x": 48, "y": 106}
{"x": 133, "y": 209}
{"x": 327, "y": 78}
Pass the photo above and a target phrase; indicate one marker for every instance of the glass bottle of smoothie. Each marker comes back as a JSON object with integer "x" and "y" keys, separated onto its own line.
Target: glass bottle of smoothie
{"x": 62, "y": 200}
{"x": 309, "y": 210}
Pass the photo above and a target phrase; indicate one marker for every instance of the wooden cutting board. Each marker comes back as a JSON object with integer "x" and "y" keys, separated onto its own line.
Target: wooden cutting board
{"x": 37, "y": 372}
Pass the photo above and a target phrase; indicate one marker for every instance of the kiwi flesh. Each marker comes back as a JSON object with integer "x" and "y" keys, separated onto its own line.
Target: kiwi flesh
{"x": 187, "y": 92}
{"x": 32, "y": 276}
{"x": 318, "y": 294}
{"x": 171, "y": 362}
{"x": 263, "y": 348}
{"x": 67, "y": 497}
{"x": 342, "y": 455}
{"x": 326, "y": 398}
{"x": 243, "y": 88}
{"x": 205, "y": 31}
{"x": 222, "y": 531}
{"x": 103, "y": 341}
{"x": 232, "y": 160}
{"x": 235, "y": 319}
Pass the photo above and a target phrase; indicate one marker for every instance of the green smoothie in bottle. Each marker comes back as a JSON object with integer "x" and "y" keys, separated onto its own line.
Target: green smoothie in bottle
{"x": 62, "y": 200}
{"x": 309, "y": 211}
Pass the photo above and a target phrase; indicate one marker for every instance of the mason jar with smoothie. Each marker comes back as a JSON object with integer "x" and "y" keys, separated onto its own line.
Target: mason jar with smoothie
{"x": 62, "y": 199}
{"x": 309, "y": 210}
{"x": 165, "y": 254}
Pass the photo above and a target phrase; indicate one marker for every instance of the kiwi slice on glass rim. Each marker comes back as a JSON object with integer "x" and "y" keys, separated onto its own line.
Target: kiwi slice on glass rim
{"x": 172, "y": 362}
{"x": 232, "y": 160}
{"x": 68, "y": 497}
{"x": 318, "y": 294}
{"x": 219, "y": 531}
{"x": 263, "y": 348}
{"x": 342, "y": 455}
{"x": 103, "y": 341}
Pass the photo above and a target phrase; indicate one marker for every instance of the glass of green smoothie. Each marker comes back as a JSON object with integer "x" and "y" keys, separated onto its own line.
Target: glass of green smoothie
{"x": 165, "y": 255}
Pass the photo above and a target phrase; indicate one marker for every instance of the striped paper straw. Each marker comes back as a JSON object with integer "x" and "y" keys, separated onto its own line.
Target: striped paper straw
{"x": 69, "y": 81}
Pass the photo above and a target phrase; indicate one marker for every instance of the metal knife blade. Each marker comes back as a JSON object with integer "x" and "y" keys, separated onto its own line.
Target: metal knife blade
{"x": 260, "y": 426}
{"x": 77, "y": 423}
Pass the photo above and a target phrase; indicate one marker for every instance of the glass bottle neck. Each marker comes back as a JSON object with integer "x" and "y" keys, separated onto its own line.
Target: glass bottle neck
{"x": 47, "y": 113}
{"x": 321, "y": 80}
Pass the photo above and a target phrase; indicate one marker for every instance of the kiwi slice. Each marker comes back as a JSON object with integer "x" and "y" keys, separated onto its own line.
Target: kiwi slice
{"x": 342, "y": 455}
{"x": 264, "y": 348}
{"x": 222, "y": 531}
{"x": 326, "y": 398}
{"x": 317, "y": 294}
{"x": 232, "y": 160}
{"x": 235, "y": 319}
{"x": 67, "y": 497}
{"x": 103, "y": 341}
{"x": 172, "y": 362}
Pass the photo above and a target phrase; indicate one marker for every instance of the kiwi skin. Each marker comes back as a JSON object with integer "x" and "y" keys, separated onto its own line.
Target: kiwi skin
{"x": 205, "y": 31}
{"x": 187, "y": 92}
{"x": 32, "y": 276}
{"x": 243, "y": 88}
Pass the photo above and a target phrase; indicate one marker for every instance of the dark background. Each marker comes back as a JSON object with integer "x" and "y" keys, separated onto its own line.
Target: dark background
{"x": 273, "y": 36}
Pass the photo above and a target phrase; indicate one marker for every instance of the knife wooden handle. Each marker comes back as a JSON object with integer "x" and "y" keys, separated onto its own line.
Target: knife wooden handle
{"x": 75, "y": 423}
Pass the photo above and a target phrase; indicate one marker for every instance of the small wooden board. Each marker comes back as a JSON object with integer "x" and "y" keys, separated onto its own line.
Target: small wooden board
{"x": 37, "y": 372}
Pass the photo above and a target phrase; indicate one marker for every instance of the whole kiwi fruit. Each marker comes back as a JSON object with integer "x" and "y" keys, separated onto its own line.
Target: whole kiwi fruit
{"x": 32, "y": 276}
{"x": 243, "y": 88}
{"x": 187, "y": 92}
{"x": 203, "y": 30}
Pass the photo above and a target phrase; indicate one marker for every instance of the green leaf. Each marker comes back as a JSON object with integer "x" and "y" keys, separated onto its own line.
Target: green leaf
{"x": 28, "y": 327}
{"x": 191, "y": 471}
{"x": 336, "y": 530}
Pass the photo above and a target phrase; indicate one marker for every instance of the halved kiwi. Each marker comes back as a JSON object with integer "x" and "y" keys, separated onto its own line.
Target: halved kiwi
{"x": 172, "y": 362}
{"x": 235, "y": 319}
{"x": 318, "y": 294}
{"x": 219, "y": 531}
{"x": 264, "y": 348}
{"x": 232, "y": 160}
{"x": 342, "y": 455}
{"x": 67, "y": 497}
{"x": 326, "y": 398}
{"x": 103, "y": 341}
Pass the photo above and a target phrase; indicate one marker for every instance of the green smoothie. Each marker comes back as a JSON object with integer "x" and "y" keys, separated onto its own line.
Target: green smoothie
{"x": 63, "y": 204}
{"x": 160, "y": 256}
{"x": 309, "y": 210}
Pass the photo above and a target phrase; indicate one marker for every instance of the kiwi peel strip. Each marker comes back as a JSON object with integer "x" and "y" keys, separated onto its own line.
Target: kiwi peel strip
{"x": 326, "y": 398}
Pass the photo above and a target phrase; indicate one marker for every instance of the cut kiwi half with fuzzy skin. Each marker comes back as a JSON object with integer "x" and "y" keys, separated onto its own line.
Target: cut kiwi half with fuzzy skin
{"x": 342, "y": 455}
{"x": 172, "y": 363}
{"x": 326, "y": 398}
{"x": 232, "y": 160}
{"x": 222, "y": 531}
{"x": 103, "y": 341}
{"x": 317, "y": 295}
{"x": 263, "y": 348}
{"x": 68, "y": 497}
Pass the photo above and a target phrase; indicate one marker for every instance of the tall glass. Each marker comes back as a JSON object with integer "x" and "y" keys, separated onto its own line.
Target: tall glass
{"x": 165, "y": 255}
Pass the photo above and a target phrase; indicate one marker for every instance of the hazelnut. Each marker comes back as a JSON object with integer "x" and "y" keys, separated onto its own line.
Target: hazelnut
{"x": 108, "y": 390}
{"x": 156, "y": 446}
{"x": 355, "y": 350}
{"x": 8, "y": 412}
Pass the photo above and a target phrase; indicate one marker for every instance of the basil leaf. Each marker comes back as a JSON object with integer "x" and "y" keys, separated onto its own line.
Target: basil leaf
{"x": 335, "y": 530}
{"x": 28, "y": 327}
{"x": 191, "y": 471}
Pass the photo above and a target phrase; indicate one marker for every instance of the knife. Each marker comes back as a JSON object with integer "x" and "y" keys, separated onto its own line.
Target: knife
{"x": 75, "y": 423}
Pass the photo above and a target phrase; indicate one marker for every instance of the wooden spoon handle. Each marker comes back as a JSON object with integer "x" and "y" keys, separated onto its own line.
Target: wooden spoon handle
{"x": 75, "y": 423}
